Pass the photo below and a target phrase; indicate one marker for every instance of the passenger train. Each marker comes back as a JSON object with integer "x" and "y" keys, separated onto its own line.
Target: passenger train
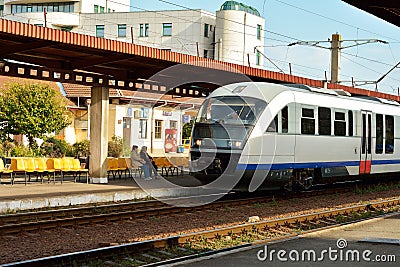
{"x": 270, "y": 136}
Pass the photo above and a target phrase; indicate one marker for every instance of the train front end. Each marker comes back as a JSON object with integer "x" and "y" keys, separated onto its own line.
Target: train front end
{"x": 220, "y": 132}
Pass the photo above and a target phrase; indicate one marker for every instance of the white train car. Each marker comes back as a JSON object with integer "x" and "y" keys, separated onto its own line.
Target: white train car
{"x": 263, "y": 135}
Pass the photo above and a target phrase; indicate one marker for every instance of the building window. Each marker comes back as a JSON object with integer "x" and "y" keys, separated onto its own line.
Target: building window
{"x": 307, "y": 121}
{"x": 67, "y": 7}
{"x": 126, "y": 123}
{"x": 143, "y": 129}
{"x": 339, "y": 126}
{"x": 1, "y": 10}
{"x": 206, "y": 29}
{"x": 157, "y": 129}
{"x": 259, "y": 32}
{"x": 173, "y": 125}
{"x": 101, "y": 9}
{"x": 205, "y": 53}
{"x": 96, "y": 9}
{"x": 121, "y": 30}
{"x": 258, "y": 58}
{"x": 167, "y": 29}
{"x": 144, "y": 30}
{"x": 389, "y": 127}
{"x": 100, "y": 31}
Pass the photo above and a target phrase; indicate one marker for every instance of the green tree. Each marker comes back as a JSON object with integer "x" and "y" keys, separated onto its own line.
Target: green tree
{"x": 32, "y": 110}
{"x": 187, "y": 130}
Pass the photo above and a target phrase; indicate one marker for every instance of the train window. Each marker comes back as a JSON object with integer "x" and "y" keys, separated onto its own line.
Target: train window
{"x": 273, "y": 126}
{"x": 307, "y": 121}
{"x": 350, "y": 123}
{"x": 340, "y": 124}
{"x": 285, "y": 120}
{"x": 324, "y": 121}
{"x": 389, "y": 125}
{"x": 379, "y": 134}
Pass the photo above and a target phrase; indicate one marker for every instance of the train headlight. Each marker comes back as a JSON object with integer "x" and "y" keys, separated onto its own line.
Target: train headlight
{"x": 197, "y": 142}
{"x": 235, "y": 144}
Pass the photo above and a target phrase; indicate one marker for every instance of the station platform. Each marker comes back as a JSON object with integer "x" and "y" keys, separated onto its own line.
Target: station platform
{"x": 376, "y": 242}
{"x": 36, "y": 195}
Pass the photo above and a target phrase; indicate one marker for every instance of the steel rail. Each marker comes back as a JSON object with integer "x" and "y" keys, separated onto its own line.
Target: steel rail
{"x": 70, "y": 217}
{"x": 179, "y": 248}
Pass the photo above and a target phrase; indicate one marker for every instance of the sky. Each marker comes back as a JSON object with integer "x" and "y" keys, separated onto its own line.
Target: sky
{"x": 289, "y": 21}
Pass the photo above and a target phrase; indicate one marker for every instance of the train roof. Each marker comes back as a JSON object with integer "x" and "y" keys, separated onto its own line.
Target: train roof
{"x": 268, "y": 91}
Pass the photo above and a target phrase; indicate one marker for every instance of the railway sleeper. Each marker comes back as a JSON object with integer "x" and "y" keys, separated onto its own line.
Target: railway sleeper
{"x": 278, "y": 231}
{"x": 150, "y": 256}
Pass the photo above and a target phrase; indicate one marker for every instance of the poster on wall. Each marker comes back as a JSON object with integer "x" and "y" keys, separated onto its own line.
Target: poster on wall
{"x": 170, "y": 143}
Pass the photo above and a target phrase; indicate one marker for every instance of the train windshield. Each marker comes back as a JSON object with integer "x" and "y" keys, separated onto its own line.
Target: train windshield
{"x": 231, "y": 110}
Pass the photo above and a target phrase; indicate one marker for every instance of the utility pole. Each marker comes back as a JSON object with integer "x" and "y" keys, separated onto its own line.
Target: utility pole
{"x": 336, "y": 45}
{"x": 220, "y": 49}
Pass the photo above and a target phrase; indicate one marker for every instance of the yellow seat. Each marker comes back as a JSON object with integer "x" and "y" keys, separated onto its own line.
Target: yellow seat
{"x": 112, "y": 167}
{"x": 66, "y": 167}
{"x": 165, "y": 165}
{"x": 132, "y": 169}
{"x": 79, "y": 169}
{"x": 29, "y": 167}
{"x": 185, "y": 162}
{"x": 53, "y": 165}
{"x": 65, "y": 164}
{"x": 6, "y": 171}
{"x": 123, "y": 166}
{"x": 40, "y": 167}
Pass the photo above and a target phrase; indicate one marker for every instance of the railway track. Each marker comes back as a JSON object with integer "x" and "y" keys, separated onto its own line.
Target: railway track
{"x": 11, "y": 224}
{"x": 184, "y": 247}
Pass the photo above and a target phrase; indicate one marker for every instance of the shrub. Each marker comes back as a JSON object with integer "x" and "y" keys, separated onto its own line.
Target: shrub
{"x": 56, "y": 148}
{"x": 6, "y": 147}
{"x": 81, "y": 149}
{"x": 115, "y": 147}
{"x": 23, "y": 151}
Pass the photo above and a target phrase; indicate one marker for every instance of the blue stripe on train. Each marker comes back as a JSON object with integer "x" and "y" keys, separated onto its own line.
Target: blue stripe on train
{"x": 311, "y": 165}
{"x": 385, "y": 161}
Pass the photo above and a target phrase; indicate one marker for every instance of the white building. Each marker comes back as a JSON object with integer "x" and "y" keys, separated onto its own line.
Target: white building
{"x": 58, "y": 14}
{"x": 232, "y": 34}
{"x": 239, "y": 34}
{"x": 140, "y": 118}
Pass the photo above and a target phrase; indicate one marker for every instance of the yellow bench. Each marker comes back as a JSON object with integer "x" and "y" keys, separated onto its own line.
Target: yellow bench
{"x": 5, "y": 170}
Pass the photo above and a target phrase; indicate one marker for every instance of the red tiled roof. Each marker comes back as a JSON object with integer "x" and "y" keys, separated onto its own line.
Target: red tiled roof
{"x": 5, "y": 79}
{"x": 76, "y": 90}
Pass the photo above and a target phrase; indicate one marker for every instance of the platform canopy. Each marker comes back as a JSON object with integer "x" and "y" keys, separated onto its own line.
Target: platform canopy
{"x": 388, "y": 10}
{"x": 35, "y": 52}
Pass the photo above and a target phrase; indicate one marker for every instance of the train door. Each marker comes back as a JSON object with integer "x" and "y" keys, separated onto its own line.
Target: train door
{"x": 366, "y": 142}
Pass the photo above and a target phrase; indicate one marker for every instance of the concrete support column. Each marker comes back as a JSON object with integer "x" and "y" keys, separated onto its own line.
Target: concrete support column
{"x": 98, "y": 134}
{"x": 335, "y": 57}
